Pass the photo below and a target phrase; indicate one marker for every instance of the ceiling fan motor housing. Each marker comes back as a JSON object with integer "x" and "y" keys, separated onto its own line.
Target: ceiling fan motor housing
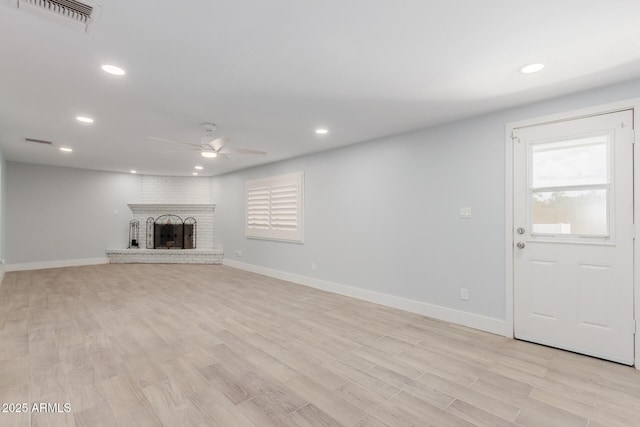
{"x": 209, "y": 128}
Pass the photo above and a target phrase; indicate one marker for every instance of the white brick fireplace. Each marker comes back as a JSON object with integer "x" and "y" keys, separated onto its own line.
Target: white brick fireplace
{"x": 185, "y": 193}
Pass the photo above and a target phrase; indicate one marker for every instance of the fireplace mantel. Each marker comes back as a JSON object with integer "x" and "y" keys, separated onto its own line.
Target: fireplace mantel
{"x": 167, "y": 208}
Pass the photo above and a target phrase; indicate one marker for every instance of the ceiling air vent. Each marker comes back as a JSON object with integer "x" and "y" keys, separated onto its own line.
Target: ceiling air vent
{"x": 73, "y": 13}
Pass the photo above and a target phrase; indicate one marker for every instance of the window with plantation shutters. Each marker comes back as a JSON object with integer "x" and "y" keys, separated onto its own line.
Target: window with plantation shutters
{"x": 274, "y": 207}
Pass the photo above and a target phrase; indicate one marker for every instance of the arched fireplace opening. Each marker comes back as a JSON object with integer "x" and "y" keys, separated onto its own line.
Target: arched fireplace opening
{"x": 171, "y": 232}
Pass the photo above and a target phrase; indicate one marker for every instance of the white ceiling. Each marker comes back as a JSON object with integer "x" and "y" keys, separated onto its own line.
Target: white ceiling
{"x": 269, "y": 72}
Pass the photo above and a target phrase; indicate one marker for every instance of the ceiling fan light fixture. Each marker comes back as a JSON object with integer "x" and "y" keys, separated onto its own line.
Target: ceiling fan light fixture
{"x": 209, "y": 154}
{"x": 322, "y": 131}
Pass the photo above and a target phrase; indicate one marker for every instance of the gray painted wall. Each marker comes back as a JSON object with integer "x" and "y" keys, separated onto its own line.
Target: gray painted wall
{"x": 3, "y": 211}
{"x": 383, "y": 215}
{"x": 56, "y": 213}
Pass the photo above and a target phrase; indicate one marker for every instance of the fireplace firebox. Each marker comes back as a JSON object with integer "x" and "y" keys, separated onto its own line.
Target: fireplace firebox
{"x": 171, "y": 232}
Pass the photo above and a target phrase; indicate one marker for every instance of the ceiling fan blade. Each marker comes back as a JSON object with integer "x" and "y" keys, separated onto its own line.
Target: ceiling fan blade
{"x": 173, "y": 142}
{"x": 218, "y": 143}
{"x": 235, "y": 150}
{"x": 182, "y": 151}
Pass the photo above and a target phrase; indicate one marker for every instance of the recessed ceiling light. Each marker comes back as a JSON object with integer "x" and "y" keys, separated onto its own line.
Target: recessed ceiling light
{"x": 112, "y": 69}
{"x": 66, "y": 149}
{"x": 133, "y": 171}
{"x": 84, "y": 119}
{"x": 209, "y": 154}
{"x": 194, "y": 173}
{"x": 322, "y": 131}
{"x": 532, "y": 68}
{"x": 198, "y": 167}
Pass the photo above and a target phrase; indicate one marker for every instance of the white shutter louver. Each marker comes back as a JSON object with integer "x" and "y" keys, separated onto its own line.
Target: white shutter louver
{"x": 258, "y": 208}
{"x": 274, "y": 207}
{"x": 284, "y": 210}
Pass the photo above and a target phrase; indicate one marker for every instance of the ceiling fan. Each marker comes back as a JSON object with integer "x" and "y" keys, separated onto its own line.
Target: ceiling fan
{"x": 209, "y": 146}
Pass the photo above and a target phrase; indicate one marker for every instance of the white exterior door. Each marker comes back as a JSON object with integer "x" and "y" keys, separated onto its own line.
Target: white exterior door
{"x": 573, "y": 235}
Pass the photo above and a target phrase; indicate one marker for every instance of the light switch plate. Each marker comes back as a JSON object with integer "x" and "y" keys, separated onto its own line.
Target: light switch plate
{"x": 465, "y": 213}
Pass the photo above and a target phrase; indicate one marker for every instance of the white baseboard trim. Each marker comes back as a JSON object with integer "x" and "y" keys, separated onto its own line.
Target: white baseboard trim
{"x": 56, "y": 264}
{"x": 471, "y": 320}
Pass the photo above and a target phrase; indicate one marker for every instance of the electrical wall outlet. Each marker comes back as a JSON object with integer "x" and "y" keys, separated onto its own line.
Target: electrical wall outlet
{"x": 314, "y": 266}
{"x": 464, "y": 294}
{"x": 238, "y": 253}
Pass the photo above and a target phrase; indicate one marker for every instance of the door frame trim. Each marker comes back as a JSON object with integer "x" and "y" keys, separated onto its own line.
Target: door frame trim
{"x": 630, "y": 104}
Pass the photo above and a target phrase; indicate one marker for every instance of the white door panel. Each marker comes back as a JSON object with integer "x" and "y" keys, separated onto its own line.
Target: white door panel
{"x": 573, "y": 237}
{"x": 543, "y": 298}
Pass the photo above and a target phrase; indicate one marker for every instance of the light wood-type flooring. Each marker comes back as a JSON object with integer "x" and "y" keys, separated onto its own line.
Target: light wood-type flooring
{"x": 185, "y": 345}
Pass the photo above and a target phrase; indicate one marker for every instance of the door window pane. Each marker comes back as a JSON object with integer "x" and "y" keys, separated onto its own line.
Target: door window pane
{"x": 577, "y": 212}
{"x": 582, "y": 161}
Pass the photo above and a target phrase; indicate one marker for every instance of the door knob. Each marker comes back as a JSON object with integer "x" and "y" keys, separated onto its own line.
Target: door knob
{"x": 520, "y": 245}
{"x": 520, "y": 230}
